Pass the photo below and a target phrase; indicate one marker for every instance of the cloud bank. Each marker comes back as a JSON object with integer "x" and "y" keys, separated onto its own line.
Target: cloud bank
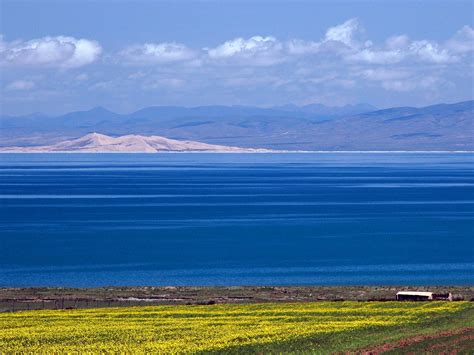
{"x": 342, "y": 66}
{"x": 341, "y": 42}
{"x": 155, "y": 53}
{"x": 60, "y": 52}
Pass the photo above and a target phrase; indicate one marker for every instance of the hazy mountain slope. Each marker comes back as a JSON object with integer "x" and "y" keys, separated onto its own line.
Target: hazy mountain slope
{"x": 438, "y": 127}
{"x": 152, "y": 120}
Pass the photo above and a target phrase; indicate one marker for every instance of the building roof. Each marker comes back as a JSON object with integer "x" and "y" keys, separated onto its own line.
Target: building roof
{"x": 415, "y": 293}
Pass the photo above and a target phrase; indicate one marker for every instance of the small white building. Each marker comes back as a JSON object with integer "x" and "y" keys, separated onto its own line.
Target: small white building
{"x": 414, "y": 296}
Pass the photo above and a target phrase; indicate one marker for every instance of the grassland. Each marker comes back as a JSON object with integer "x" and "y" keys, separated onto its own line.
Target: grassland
{"x": 319, "y": 327}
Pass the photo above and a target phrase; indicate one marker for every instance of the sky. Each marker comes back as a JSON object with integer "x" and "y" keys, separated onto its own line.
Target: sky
{"x": 62, "y": 56}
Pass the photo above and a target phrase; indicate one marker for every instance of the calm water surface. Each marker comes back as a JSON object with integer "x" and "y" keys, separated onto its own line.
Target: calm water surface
{"x": 236, "y": 219}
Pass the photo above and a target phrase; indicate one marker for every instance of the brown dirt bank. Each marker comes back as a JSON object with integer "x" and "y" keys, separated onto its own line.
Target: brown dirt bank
{"x": 456, "y": 341}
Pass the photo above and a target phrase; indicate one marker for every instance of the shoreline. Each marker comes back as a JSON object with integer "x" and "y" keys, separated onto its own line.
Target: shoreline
{"x": 14, "y": 299}
{"x": 254, "y": 152}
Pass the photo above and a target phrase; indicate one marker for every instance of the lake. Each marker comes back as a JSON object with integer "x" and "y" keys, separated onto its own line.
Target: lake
{"x": 86, "y": 220}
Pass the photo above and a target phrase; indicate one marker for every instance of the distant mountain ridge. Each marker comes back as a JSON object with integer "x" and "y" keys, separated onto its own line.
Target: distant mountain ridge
{"x": 101, "y": 143}
{"x": 310, "y": 127}
{"x": 216, "y": 111}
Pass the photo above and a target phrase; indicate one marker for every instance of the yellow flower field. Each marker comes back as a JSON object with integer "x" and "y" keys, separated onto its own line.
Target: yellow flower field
{"x": 190, "y": 329}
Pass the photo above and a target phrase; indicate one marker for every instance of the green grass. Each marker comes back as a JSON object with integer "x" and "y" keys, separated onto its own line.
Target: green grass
{"x": 352, "y": 341}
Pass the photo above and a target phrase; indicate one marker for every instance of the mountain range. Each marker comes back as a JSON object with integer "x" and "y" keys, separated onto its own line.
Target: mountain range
{"x": 310, "y": 127}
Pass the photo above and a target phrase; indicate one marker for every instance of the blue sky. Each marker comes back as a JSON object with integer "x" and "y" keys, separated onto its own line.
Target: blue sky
{"x": 59, "y": 56}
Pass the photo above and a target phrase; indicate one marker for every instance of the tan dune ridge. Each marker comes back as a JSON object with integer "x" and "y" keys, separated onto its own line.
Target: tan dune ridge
{"x": 101, "y": 143}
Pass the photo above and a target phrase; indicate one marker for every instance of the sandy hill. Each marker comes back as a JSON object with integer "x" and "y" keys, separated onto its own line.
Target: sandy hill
{"x": 96, "y": 143}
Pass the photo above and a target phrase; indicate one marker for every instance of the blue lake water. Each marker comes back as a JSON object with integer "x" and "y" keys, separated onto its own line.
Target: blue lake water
{"x": 236, "y": 219}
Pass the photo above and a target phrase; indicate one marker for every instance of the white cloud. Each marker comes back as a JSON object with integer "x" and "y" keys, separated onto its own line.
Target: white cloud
{"x": 243, "y": 46}
{"x": 462, "y": 41}
{"x": 343, "y": 33}
{"x": 378, "y": 57}
{"x": 340, "y": 41}
{"x": 150, "y": 53}
{"x": 339, "y": 45}
{"x": 431, "y": 52}
{"x": 60, "y": 51}
{"x": 397, "y": 42}
{"x": 20, "y": 85}
{"x": 400, "y": 48}
{"x": 301, "y": 47}
{"x": 257, "y": 50}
